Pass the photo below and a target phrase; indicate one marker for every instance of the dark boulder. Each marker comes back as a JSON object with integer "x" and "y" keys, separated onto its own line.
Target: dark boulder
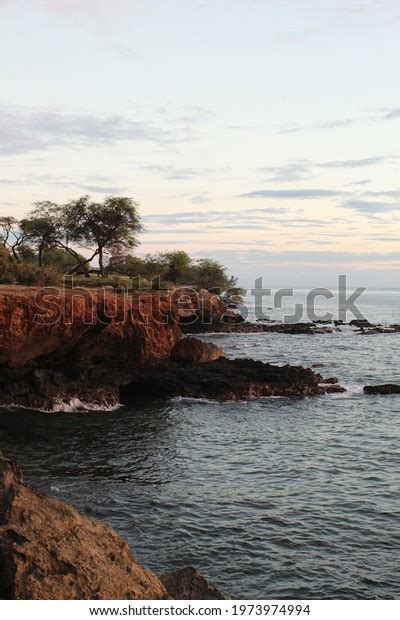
{"x": 187, "y": 584}
{"x": 386, "y": 388}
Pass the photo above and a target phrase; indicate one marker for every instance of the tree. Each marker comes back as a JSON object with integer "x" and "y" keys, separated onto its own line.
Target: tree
{"x": 176, "y": 264}
{"x": 110, "y": 226}
{"x": 210, "y": 273}
{"x": 11, "y": 236}
{"x": 42, "y": 227}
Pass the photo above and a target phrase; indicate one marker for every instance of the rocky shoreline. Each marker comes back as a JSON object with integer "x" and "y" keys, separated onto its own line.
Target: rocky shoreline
{"x": 48, "y": 551}
{"x": 101, "y": 349}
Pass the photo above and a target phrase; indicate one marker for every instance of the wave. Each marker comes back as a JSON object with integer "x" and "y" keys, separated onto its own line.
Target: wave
{"x": 73, "y": 405}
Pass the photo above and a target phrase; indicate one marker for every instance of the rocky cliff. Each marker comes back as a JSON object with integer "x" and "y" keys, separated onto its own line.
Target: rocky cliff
{"x": 90, "y": 347}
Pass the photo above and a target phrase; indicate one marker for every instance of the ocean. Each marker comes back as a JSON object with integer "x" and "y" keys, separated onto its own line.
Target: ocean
{"x": 272, "y": 498}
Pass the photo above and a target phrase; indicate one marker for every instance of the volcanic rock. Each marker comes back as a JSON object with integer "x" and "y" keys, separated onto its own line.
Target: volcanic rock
{"x": 187, "y": 584}
{"x": 191, "y": 349}
{"x": 49, "y": 551}
{"x": 386, "y": 388}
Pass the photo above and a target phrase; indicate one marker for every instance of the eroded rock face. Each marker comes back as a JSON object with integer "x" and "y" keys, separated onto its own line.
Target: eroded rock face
{"x": 191, "y": 349}
{"x": 385, "y": 389}
{"x": 187, "y": 584}
{"x": 49, "y": 551}
{"x": 85, "y": 325}
{"x": 62, "y": 346}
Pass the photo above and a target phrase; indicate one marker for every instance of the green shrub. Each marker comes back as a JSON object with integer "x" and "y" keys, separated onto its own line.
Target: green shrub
{"x": 29, "y": 274}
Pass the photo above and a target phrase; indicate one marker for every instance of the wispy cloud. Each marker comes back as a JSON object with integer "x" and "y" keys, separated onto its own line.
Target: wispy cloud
{"x": 340, "y": 123}
{"x": 392, "y": 114}
{"x": 303, "y": 169}
{"x": 370, "y": 207}
{"x": 23, "y": 130}
{"x": 174, "y": 173}
{"x": 87, "y": 185}
{"x": 293, "y": 193}
{"x": 291, "y": 172}
{"x": 204, "y": 222}
{"x": 360, "y": 182}
{"x": 353, "y": 163}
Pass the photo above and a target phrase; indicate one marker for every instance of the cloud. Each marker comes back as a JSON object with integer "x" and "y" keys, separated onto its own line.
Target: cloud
{"x": 174, "y": 173}
{"x": 365, "y": 206}
{"x": 199, "y": 198}
{"x": 360, "y": 182}
{"x": 340, "y": 123}
{"x": 307, "y": 257}
{"x": 292, "y": 193}
{"x": 392, "y": 193}
{"x": 24, "y": 130}
{"x": 204, "y": 222}
{"x": 88, "y": 185}
{"x": 303, "y": 169}
{"x": 353, "y": 163}
{"x": 333, "y": 124}
{"x": 293, "y": 171}
{"x": 187, "y": 114}
{"x": 392, "y": 114}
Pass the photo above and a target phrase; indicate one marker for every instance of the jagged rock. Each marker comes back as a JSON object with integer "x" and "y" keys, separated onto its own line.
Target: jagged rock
{"x": 187, "y": 584}
{"x": 224, "y": 379}
{"x": 191, "y": 349}
{"x": 49, "y": 551}
{"x": 361, "y": 323}
{"x": 238, "y": 325}
{"x": 386, "y": 388}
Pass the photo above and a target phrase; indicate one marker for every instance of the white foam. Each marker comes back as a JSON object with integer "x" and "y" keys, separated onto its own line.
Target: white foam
{"x": 73, "y": 405}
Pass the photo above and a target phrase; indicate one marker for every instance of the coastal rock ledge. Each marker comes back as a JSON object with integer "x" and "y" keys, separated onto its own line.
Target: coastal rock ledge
{"x": 48, "y": 551}
{"x": 104, "y": 348}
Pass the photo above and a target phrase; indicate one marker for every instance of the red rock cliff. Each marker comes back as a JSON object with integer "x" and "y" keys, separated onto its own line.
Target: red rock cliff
{"x": 92, "y": 324}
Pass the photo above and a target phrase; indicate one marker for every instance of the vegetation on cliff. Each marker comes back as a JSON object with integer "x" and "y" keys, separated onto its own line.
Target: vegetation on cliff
{"x": 55, "y": 240}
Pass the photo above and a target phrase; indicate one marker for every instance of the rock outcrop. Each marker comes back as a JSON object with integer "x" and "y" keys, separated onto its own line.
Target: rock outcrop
{"x": 48, "y": 551}
{"x": 385, "y": 389}
{"x": 78, "y": 345}
{"x": 225, "y": 379}
{"x": 85, "y": 325}
{"x": 236, "y": 325}
{"x": 191, "y": 349}
{"x": 188, "y": 584}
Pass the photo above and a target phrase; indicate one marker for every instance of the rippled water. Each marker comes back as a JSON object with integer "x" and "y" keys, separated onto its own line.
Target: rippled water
{"x": 279, "y": 498}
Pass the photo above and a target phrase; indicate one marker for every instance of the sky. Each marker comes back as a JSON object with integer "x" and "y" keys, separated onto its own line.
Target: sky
{"x": 262, "y": 133}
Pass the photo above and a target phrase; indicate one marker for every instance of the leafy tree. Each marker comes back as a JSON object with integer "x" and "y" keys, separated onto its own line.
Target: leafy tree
{"x": 108, "y": 226}
{"x": 6, "y": 267}
{"x": 176, "y": 265}
{"x": 11, "y": 236}
{"x": 42, "y": 227}
{"x": 210, "y": 273}
{"x": 60, "y": 260}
